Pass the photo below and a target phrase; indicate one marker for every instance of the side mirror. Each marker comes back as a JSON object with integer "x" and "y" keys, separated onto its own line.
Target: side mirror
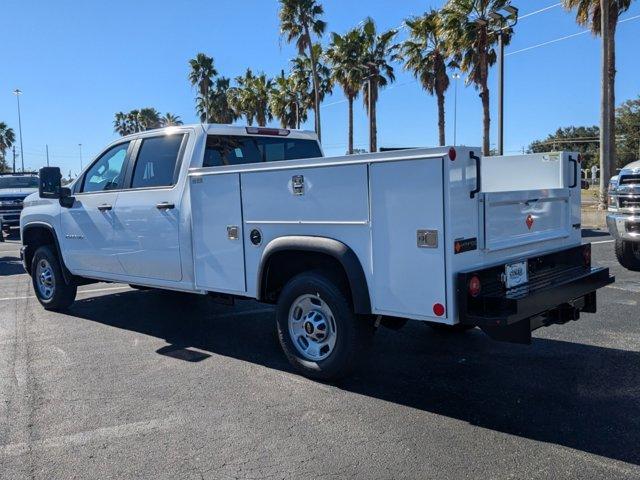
{"x": 51, "y": 186}
{"x": 50, "y": 182}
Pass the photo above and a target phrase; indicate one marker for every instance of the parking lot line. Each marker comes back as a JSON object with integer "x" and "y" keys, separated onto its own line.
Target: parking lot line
{"x": 603, "y": 241}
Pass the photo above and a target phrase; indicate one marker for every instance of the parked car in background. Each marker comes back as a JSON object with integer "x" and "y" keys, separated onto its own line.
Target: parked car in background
{"x": 14, "y": 188}
{"x": 623, "y": 219}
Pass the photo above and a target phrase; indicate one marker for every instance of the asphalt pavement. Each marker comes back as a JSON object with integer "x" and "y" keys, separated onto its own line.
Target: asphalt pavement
{"x": 153, "y": 385}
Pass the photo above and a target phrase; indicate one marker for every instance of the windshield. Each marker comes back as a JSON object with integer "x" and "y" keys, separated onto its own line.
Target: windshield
{"x": 19, "y": 182}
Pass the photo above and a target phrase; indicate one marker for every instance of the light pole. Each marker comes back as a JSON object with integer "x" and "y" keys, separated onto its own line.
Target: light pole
{"x": 80, "y": 148}
{"x": 455, "y": 76}
{"x": 17, "y": 92}
{"x": 505, "y": 22}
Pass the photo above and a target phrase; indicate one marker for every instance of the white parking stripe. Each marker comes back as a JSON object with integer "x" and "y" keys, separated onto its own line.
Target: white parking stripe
{"x": 603, "y": 241}
{"x": 95, "y": 290}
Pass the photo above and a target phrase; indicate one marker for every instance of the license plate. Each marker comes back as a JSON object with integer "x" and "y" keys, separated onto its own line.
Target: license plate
{"x": 515, "y": 274}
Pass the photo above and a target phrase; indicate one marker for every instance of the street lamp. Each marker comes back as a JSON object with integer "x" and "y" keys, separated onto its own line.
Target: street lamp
{"x": 504, "y": 21}
{"x": 80, "y": 148}
{"x": 455, "y": 76}
{"x": 17, "y": 92}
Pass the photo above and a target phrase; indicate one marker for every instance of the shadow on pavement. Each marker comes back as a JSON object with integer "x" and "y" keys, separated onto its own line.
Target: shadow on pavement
{"x": 579, "y": 396}
{"x": 589, "y": 233}
{"x": 10, "y": 265}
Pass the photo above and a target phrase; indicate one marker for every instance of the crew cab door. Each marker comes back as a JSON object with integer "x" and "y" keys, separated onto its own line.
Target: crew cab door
{"x": 147, "y": 213}
{"x": 87, "y": 227}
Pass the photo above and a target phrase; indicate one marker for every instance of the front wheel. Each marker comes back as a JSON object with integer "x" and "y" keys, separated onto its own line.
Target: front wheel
{"x": 628, "y": 254}
{"x": 319, "y": 332}
{"x": 51, "y": 289}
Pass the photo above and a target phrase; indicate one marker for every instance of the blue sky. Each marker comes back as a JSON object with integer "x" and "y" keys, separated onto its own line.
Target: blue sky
{"x": 78, "y": 62}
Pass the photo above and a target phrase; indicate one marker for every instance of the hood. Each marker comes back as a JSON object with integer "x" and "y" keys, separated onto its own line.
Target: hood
{"x": 16, "y": 192}
{"x": 631, "y": 167}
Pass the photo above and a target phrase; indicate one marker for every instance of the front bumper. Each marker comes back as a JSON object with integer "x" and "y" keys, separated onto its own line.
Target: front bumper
{"x": 10, "y": 218}
{"x": 624, "y": 226}
{"x": 555, "y": 294}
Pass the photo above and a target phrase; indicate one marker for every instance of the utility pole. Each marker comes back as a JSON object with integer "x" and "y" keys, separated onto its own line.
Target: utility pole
{"x": 500, "y": 93}
{"x": 456, "y": 77}
{"x": 80, "y": 147}
{"x": 17, "y": 92}
{"x": 14, "y": 159}
{"x": 605, "y": 119}
{"x": 47, "y": 154}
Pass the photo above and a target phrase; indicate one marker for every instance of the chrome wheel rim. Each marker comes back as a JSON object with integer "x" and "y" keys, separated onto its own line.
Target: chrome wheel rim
{"x": 44, "y": 279}
{"x": 312, "y": 327}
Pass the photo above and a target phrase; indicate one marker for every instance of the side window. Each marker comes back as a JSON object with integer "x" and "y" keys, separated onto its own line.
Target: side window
{"x": 156, "y": 162}
{"x": 107, "y": 173}
{"x": 230, "y": 150}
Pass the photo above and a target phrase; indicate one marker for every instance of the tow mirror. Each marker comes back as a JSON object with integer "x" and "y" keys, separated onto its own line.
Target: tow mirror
{"x": 51, "y": 186}
{"x": 50, "y": 182}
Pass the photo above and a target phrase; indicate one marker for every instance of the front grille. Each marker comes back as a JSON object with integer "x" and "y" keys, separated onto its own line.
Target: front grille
{"x": 629, "y": 179}
{"x": 15, "y": 208}
{"x": 629, "y": 202}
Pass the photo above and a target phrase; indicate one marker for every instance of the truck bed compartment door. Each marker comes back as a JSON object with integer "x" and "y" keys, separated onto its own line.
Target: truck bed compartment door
{"x": 408, "y": 238}
{"x": 216, "y": 216}
{"x": 522, "y": 217}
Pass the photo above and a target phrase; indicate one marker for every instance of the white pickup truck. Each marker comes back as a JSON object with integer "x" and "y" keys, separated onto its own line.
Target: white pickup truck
{"x": 340, "y": 245}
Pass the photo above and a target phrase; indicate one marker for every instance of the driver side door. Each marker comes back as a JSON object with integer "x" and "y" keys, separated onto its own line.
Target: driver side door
{"x": 87, "y": 227}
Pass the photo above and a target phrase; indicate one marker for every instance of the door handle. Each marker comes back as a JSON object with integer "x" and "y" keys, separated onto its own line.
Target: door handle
{"x": 104, "y": 207}
{"x": 165, "y": 206}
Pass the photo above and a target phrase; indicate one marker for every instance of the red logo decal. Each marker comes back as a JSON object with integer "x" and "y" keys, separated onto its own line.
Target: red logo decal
{"x": 529, "y": 221}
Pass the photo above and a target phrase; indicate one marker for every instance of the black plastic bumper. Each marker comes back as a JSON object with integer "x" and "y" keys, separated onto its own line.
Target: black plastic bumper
{"x": 555, "y": 294}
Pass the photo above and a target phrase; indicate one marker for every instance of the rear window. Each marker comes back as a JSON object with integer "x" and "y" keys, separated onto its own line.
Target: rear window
{"x": 156, "y": 163}
{"x": 240, "y": 149}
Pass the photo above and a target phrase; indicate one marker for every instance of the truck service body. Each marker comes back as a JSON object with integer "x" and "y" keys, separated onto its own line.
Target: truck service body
{"x": 340, "y": 244}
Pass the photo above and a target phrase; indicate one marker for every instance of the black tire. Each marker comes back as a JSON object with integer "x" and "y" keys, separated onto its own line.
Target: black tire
{"x": 63, "y": 294}
{"x": 628, "y": 254}
{"x": 353, "y": 333}
{"x": 457, "y": 328}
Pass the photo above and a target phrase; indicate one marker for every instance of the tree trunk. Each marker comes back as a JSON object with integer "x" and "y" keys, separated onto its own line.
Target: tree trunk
{"x": 350, "y": 97}
{"x": 605, "y": 132}
{"x": 441, "y": 137}
{"x": 316, "y": 82}
{"x": 484, "y": 95}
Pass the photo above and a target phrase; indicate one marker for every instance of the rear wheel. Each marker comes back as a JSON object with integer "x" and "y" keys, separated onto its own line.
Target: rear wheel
{"x": 628, "y": 254}
{"x": 319, "y": 332}
{"x": 51, "y": 289}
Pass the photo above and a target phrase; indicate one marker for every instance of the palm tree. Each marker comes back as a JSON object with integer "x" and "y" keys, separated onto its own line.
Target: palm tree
{"x": 379, "y": 50}
{"x": 302, "y": 71}
{"x": 345, "y": 54}
{"x": 260, "y": 89}
{"x": 471, "y": 29}
{"x": 241, "y": 98}
{"x": 424, "y": 53}
{"x": 589, "y": 14}
{"x": 220, "y": 110}
{"x": 201, "y": 75}
{"x": 7, "y": 138}
{"x": 170, "y": 120}
{"x": 149, "y": 118}
{"x": 283, "y": 101}
{"x": 298, "y": 20}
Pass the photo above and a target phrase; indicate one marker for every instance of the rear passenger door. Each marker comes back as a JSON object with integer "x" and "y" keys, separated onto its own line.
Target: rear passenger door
{"x": 147, "y": 214}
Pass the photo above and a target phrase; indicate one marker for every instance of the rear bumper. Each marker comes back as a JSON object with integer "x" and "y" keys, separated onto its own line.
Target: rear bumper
{"x": 624, "y": 226}
{"x": 552, "y": 297}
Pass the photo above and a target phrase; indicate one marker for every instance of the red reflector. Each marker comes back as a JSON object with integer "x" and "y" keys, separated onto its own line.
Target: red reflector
{"x": 474, "y": 286}
{"x": 438, "y": 309}
{"x": 281, "y": 132}
{"x": 452, "y": 154}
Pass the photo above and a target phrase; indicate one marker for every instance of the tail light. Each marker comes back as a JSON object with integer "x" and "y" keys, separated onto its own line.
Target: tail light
{"x": 475, "y": 286}
{"x": 586, "y": 254}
